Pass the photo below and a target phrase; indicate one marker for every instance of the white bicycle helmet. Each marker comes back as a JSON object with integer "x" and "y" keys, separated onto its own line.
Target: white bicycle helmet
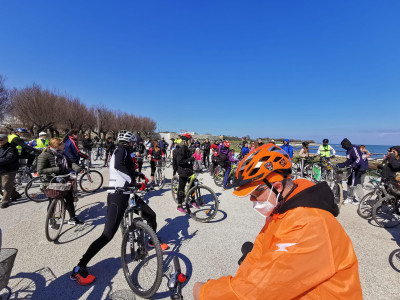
{"x": 126, "y": 136}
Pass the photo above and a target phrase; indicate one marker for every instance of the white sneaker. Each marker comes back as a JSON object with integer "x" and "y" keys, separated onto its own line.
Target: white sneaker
{"x": 347, "y": 201}
{"x": 355, "y": 202}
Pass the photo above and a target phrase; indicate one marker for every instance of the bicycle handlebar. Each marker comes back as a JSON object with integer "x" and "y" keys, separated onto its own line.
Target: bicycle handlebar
{"x": 128, "y": 189}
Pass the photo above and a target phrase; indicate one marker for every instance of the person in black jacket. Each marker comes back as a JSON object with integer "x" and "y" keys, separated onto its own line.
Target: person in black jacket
{"x": 390, "y": 167}
{"x": 206, "y": 153}
{"x": 354, "y": 160}
{"x": 139, "y": 149}
{"x": 24, "y": 150}
{"x": 87, "y": 144}
{"x": 110, "y": 147}
{"x": 184, "y": 162}
{"x": 8, "y": 169}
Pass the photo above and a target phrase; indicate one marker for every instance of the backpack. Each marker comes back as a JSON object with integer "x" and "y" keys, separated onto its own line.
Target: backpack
{"x": 223, "y": 158}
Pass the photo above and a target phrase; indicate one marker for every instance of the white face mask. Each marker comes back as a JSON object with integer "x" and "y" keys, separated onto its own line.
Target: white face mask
{"x": 265, "y": 207}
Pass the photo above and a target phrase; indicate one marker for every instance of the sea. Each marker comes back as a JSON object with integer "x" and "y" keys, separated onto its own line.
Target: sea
{"x": 378, "y": 151}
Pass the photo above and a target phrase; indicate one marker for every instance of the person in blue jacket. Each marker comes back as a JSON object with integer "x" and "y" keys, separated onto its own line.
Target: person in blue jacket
{"x": 287, "y": 148}
{"x": 245, "y": 149}
{"x": 353, "y": 160}
{"x": 71, "y": 147}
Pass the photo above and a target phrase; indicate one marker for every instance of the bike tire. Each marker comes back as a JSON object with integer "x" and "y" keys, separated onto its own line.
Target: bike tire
{"x": 296, "y": 170}
{"x": 338, "y": 194}
{"x": 308, "y": 172}
{"x": 174, "y": 188}
{"x": 207, "y": 201}
{"x": 55, "y": 219}
{"x": 34, "y": 190}
{"x": 159, "y": 179}
{"x": 91, "y": 181}
{"x": 366, "y": 204}
{"x": 219, "y": 174}
{"x": 141, "y": 233}
{"x": 385, "y": 213}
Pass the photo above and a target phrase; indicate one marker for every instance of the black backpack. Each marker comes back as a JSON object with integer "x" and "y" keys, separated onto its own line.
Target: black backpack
{"x": 223, "y": 158}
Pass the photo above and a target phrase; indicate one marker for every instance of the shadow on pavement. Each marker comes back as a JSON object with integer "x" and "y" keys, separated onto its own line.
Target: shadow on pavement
{"x": 93, "y": 214}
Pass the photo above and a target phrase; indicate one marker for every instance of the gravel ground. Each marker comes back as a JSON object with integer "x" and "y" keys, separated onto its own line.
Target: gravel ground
{"x": 41, "y": 269}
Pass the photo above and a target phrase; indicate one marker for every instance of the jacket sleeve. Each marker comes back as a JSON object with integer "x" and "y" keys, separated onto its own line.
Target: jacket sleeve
{"x": 11, "y": 155}
{"x": 75, "y": 149}
{"x": 290, "y": 151}
{"x": 43, "y": 161}
{"x": 333, "y": 151}
{"x": 305, "y": 261}
{"x": 393, "y": 162}
{"x": 353, "y": 159}
{"x": 120, "y": 165}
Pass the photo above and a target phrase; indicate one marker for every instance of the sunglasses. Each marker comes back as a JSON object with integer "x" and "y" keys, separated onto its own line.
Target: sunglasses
{"x": 1, "y": 140}
{"x": 259, "y": 190}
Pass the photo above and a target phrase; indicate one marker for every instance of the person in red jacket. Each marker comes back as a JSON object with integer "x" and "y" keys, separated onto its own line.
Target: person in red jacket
{"x": 302, "y": 252}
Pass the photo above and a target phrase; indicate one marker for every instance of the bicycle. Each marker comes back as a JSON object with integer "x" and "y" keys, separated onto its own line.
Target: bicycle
{"x": 159, "y": 175}
{"x": 197, "y": 194}
{"x": 90, "y": 181}
{"x": 98, "y": 154}
{"x": 135, "y": 254}
{"x": 364, "y": 209}
{"x": 56, "y": 190}
{"x": 307, "y": 169}
{"x": 176, "y": 280}
{"x": 386, "y": 211}
{"x": 219, "y": 174}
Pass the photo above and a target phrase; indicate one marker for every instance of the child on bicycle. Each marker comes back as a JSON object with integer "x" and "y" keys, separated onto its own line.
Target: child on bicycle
{"x": 122, "y": 174}
{"x": 226, "y": 160}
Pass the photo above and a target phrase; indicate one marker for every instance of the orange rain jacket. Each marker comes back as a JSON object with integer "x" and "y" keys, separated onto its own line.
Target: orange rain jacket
{"x": 302, "y": 252}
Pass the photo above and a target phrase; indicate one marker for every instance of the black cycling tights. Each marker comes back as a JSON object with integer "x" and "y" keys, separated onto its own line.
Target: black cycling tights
{"x": 117, "y": 204}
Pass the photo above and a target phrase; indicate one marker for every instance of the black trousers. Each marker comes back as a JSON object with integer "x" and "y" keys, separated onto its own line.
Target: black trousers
{"x": 181, "y": 188}
{"x": 117, "y": 204}
{"x": 206, "y": 157}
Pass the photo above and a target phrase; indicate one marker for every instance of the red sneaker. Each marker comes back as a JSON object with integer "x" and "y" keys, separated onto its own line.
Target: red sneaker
{"x": 82, "y": 275}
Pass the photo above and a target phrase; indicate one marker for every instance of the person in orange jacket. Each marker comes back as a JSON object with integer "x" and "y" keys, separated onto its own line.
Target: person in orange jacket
{"x": 302, "y": 252}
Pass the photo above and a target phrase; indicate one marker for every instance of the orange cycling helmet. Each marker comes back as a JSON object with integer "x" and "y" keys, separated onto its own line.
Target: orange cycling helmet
{"x": 227, "y": 144}
{"x": 265, "y": 164}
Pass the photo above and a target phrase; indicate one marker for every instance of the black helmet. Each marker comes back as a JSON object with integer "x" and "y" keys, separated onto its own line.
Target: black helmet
{"x": 325, "y": 141}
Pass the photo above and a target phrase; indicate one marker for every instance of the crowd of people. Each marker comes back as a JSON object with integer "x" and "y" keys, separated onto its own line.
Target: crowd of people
{"x": 301, "y": 245}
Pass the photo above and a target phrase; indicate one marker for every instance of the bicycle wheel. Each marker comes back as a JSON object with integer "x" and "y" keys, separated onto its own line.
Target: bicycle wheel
{"x": 34, "y": 189}
{"x": 91, "y": 181}
{"x": 219, "y": 174}
{"x": 201, "y": 203}
{"x": 21, "y": 179}
{"x": 55, "y": 219}
{"x": 386, "y": 213}
{"x": 142, "y": 265}
{"x": 95, "y": 155}
{"x": 159, "y": 179}
{"x": 296, "y": 170}
{"x": 174, "y": 188}
{"x": 367, "y": 202}
{"x": 338, "y": 194}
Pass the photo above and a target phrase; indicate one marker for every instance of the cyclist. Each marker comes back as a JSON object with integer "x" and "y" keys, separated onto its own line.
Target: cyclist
{"x": 87, "y": 144}
{"x": 110, "y": 147}
{"x": 390, "y": 167}
{"x": 214, "y": 157}
{"x": 139, "y": 149}
{"x": 260, "y": 142}
{"x": 287, "y": 148}
{"x": 163, "y": 144}
{"x": 184, "y": 162}
{"x": 40, "y": 143}
{"x": 24, "y": 150}
{"x": 54, "y": 161}
{"x": 155, "y": 154}
{"x": 225, "y": 161}
{"x": 354, "y": 159}
{"x": 122, "y": 174}
{"x": 304, "y": 154}
{"x": 71, "y": 147}
{"x": 206, "y": 153}
{"x": 302, "y": 252}
{"x": 324, "y": 151}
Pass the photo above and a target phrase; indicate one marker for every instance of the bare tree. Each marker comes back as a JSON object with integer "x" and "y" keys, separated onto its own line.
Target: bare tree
{"x": 4, "y": 98}
{"x": 35, "y": 108}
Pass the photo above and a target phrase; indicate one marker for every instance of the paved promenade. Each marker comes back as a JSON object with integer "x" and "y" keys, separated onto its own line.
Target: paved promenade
{"x": 41, "y": 269}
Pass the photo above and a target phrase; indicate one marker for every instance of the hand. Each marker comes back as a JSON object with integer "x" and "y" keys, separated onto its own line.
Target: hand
{"x": 196, "y": 290}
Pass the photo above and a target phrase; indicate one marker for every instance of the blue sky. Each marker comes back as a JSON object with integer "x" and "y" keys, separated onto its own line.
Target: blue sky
{"x": 295, "y": 69}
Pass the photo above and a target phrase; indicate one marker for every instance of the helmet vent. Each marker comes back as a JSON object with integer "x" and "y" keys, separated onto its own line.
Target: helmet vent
{"x": 276, "y": 159}
{"x": 265, "y": 158}
{"x": 254, "y": 171}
